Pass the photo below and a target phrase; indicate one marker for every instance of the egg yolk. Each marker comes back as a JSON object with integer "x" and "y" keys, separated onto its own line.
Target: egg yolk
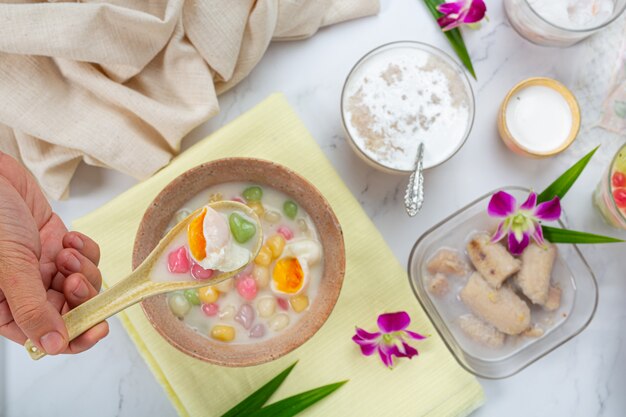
{"x": 195, "y": 236}
{"x": 288, "y": 275}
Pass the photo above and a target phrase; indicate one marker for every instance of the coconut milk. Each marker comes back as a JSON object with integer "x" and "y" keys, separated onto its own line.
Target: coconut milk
{"x": 539, "y": 118}
{"x": 401, "y": 96}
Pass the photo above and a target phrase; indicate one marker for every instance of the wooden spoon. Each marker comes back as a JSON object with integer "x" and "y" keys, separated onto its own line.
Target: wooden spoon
{"x": 138, "y": 286}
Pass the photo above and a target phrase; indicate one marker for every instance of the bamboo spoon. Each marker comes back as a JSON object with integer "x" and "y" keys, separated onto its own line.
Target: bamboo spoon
{"x": 137, "y": 286}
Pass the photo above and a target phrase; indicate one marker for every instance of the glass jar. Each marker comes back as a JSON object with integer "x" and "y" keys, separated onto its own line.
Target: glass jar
{"x": 537, "y": 29}
{"x": 521, "y": 148}
{"x": 447, "y": 64}
{"x": 610, "y": 194}
{"x": 571, "y": 272}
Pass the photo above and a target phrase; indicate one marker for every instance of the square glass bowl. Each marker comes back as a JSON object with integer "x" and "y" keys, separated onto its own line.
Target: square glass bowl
{"x": 571, "y": 272}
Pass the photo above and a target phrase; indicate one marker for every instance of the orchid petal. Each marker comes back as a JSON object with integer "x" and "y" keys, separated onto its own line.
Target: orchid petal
{"x": 391, "y": 341}
{"x": 530, "y": 203}
{"x": 517, "y": 247}
{"x": 529, "y": 224}
{"x": 503, "y": 228}
{"x": 367, "y": 348}
{"x": 361, "y": 342}
{"x": 385, "y": 357}
{"x": 448, "y": 23}
{"x": 387, "y": 353}
{"x": 393, "y": 322}
{"x": 502, "y": 204}
{"x": 538, "y": 235}
{"x": 365, "y": 335}
{"x": 414, "y": 335}
{"x": 399, "y": 344}
{"x": 549, "y": 210}
{"x": 518, "y": 233}
{"x": 450, "y": 8}
{"x": 476, "y": 12}
{"x": 409, "y": 351}
{"x": 461, "y": 12}
{"x": 401, "y": 350}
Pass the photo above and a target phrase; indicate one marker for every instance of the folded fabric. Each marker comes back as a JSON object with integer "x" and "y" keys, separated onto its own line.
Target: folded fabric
{"x": 431, "y": 384}
{"x": 120, "y": 83}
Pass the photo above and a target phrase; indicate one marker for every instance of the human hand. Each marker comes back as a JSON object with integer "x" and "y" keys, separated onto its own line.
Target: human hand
{"x": 44, "y": 270}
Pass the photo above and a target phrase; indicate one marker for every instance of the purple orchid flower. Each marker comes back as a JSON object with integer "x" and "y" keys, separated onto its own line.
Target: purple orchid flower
{"x": 391, "y": 340}
{"x": 461, "y": 12}
{"x": 524, "y": 222}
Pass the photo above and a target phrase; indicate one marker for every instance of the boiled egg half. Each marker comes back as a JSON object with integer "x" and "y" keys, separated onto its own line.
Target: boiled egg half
{"x": 211, "y": 244}
{"x": 291, "y": 272}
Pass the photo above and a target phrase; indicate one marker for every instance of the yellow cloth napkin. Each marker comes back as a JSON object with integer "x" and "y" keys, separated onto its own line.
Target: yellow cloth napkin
{"x": 432, "y": 384}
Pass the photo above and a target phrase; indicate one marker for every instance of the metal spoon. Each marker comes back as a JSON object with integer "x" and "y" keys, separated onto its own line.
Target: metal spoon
{"x": 414, "y": 195}
{"x": 138, "y": 286}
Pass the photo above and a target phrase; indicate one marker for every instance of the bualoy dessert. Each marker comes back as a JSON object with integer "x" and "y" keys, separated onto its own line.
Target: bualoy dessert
{"x": 502, "y": 297}
{"x": 276, "y": 288}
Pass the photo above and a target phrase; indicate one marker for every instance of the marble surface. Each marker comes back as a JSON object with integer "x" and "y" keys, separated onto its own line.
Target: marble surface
{"x": 582, "y": 378}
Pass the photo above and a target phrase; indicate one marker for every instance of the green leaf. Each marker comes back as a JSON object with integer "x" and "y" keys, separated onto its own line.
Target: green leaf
{"x": 454, "y": 37}
{"x": 562, "y": 184}
{"x": 556, "y": 235}
{"x": 293, "y": 405}
{"x": 256, "y": 400}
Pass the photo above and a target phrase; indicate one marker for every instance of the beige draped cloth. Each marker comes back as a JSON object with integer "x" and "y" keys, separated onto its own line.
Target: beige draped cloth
{"x": 119, "y": 83}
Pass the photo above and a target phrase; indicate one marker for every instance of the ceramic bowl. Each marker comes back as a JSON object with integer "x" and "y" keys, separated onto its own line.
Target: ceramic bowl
{"x": 265, "y": 173}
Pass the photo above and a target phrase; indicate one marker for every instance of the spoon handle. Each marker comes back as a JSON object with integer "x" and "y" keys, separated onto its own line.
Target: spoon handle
{"x": 414, "y": 196}
{"x": 104, "y": 305}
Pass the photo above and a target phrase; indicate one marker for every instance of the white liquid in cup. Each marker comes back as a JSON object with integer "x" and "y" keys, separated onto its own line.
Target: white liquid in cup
{"x": 402, "y": 96}
{"x": 539, "y": 119}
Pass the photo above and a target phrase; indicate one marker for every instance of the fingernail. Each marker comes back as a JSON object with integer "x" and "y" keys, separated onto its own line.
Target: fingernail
{"x": 72, "y": 263}
{"x": 81, "y": 290}
{"x": 76, "y": 242}
{"x": 52, "y": 343}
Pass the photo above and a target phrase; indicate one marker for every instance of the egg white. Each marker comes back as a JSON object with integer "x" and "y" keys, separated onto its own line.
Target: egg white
{"x": 305, "y": 249}
{"x": 222, "y": 254}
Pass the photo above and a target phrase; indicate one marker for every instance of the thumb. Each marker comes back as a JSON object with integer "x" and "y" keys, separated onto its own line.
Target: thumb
{"x": 20, "y": 281}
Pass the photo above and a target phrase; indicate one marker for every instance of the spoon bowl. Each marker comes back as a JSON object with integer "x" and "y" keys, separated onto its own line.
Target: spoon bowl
{"x": 138, "y": 285}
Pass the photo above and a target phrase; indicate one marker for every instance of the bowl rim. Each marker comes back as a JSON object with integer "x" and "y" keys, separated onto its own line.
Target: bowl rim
{"x": 584, "y": 30}
{"x": 427, "y": 48}
{"x": 275, "y": 347}
{"x": 434, "y": 322}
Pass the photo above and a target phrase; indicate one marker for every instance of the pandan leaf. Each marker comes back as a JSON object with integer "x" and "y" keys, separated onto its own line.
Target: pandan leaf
{"x": 556, "y": 235}
{"x": 561, "y": 186}
{"x": 256, "y": 400}
{"x": 454, "y": 36}
{"x": 291, "y": 406}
